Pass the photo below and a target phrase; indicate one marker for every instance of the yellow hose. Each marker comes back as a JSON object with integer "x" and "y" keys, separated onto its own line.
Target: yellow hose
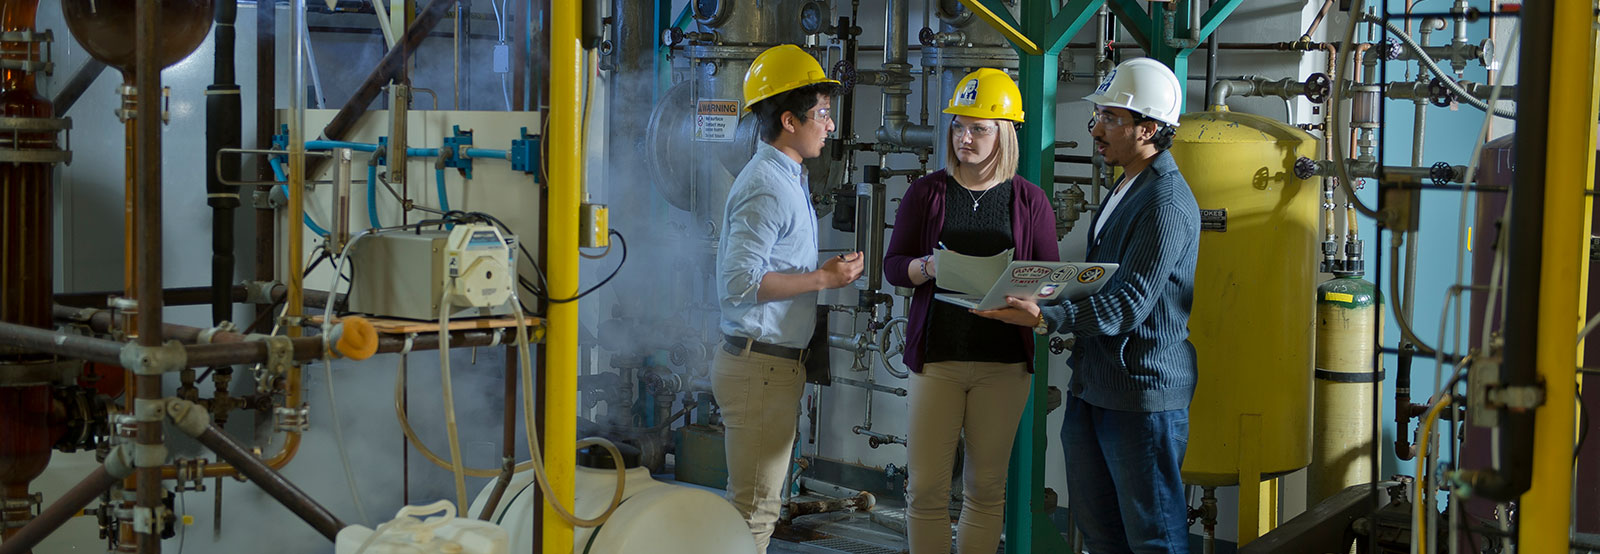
{"x": 533, "y": 438}
{"x": 422, "y": 448}
{"x": 537, "y": 463}
{"x": 1421, "y": 524}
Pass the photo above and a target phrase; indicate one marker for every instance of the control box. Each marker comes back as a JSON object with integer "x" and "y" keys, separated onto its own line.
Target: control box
{"x": 406, "y": 274}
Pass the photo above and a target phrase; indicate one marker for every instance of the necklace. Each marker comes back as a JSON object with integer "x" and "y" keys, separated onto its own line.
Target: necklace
{"x": 976, "y": 198}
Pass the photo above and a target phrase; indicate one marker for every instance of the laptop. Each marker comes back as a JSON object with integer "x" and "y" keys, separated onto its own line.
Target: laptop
{"x": 1038, "y": 282}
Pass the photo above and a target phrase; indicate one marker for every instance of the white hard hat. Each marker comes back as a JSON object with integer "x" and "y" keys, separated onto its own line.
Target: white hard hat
{"x": 1144, "y": 86}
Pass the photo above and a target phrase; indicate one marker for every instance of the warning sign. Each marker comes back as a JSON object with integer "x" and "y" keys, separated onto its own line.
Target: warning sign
{"x": 716, "y": 120}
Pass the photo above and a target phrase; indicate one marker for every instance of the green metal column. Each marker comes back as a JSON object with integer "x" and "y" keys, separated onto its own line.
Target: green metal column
{"x": 1038, "y": 43}
{"x": 1168, "y": 41}
{"x": 1027, "y": 515}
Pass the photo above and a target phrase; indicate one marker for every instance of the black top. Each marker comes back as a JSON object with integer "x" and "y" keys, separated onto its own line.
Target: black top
{"x": 955, "y": 334}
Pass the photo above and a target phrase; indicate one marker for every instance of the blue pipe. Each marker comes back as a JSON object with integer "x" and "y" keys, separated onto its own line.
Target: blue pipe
{"x": 332, "y": 144}
{"x": 277, "y": 170}
{"x": 422, "y": 152}
{"x": 476, "y": 153}
{"x": 444, "y": 197}
{"x": 372, "y": 196}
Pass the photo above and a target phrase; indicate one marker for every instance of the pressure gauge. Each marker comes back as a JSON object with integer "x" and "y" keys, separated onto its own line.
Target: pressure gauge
{"x": 813, "y": 18}
{"x": 710, "y": 12}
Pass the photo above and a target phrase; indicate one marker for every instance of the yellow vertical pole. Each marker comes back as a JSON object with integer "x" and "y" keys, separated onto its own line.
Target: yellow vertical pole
{"x": 565, "y": 140}
{"x": 1547, "y": 511}
{"x": 1250, "y": 489}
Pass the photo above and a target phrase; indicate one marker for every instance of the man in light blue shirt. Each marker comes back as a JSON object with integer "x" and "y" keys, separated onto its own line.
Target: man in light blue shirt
{"x": 768, "y": 279}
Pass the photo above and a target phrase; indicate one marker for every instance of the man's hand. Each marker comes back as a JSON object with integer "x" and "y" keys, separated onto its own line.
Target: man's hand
{"x": 1017, "y": 312}
{"x": 841, "y": 270}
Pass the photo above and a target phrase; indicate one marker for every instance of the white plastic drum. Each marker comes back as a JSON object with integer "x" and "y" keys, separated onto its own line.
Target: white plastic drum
{"x": 654, "y": 518}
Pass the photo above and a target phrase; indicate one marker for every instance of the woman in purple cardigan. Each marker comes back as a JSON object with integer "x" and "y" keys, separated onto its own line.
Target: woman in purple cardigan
{"x": 970, "y": 374}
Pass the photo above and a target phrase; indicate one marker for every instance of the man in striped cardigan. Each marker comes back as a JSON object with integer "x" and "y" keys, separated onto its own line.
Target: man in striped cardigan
{"x": 1126, "y": 423}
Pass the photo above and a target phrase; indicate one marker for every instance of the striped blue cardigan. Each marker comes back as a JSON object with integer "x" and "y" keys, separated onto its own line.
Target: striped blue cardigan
{"x": 1133, "y": 351}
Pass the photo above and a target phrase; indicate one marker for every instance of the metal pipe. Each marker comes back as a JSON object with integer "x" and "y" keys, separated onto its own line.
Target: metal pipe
{"x": 392, "y": 64}
{"x": 266, "y": 110}
{"x": 272, "y": 482}
{"x": 182, "y": 296}
{"x": 896, "y": 128}
{"x": 508, "y": 436}
{"x": 62, "y": 510}
{"x": 1211, "y": 57}
{"x": 1565, "y": 170}
{"x": 75, "y": 87}
{"x": 1194, "y": 20}
{"x": 1525, "y": 255}
{"x": 897, "y": 391}
{"x": 560, "y": 387}
{"x": 862, "y": 501}
{"x": 147, "y": 80}
{"x": 223, "y": 129}
{"x": 876, "y": 439}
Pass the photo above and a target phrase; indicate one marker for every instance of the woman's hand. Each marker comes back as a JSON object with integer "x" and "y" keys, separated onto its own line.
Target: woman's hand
{"x": 1017, "y": 312}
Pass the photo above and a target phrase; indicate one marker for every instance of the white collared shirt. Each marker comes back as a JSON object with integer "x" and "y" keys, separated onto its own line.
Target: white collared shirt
{"x": 1111, "y": 204}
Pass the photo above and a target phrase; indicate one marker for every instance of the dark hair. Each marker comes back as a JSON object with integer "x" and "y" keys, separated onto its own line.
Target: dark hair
{"x": 769, "y": 111}
{"x": 1164, "y": 132}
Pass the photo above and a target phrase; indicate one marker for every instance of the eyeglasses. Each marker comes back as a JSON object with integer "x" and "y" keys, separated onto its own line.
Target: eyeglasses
{"x": 1106, "y": 118}
{"x": 821, "y": 113}
{"x": 976, "y": 130}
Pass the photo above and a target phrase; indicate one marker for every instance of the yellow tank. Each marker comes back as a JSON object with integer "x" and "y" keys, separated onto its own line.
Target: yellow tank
{"x": 1252, "y": 323}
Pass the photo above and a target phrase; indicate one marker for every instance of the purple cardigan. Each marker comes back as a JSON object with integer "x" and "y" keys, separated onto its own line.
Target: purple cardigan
{"x": 916, "y": 230}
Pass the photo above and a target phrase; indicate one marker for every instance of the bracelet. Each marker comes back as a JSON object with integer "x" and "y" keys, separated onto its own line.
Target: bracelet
{"x": 924, "y": 268}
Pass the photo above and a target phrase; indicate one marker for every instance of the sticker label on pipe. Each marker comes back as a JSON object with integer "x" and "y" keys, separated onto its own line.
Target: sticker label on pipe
{"x": 716, "y": 120}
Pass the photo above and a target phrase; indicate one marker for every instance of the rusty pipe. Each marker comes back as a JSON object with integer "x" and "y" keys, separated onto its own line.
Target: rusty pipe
{"x": 147, "y": 81}
{"x": 863, "y": 501}
{"x": 64, "y": 508}
{"x": 271, "y": 481}
{"x": 387, "y": 69}
{"x": 220, "y": 352}
{"x": 508, "y": 438}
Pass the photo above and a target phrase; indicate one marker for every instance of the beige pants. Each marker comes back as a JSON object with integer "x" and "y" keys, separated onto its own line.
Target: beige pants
{"x": 760, "y": 400}
{"x": 981, "y": 402}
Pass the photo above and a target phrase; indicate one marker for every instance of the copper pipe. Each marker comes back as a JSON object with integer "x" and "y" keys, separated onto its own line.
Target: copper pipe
{"x": 1318, "y": 21}
{"x": 147, "y": 80}
{"x": 272, "y": 482}
{"x": 59, "y": 512}
{"x": 183, "y": 296}
{"x": 130, "y": 213}
{"x": 508, "y": 438}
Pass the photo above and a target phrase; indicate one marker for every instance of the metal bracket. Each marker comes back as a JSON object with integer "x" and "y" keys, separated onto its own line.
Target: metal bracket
{"x": 207, "y": 334}
{"x": 280, "y": 353}
{"x": 29, "y": 61}
{"x": 1526, "y": 397}
{"x": 259, "y": 292}
{"x": 155, "y": 360}
{"x": 292, "y": 420}
{"x": 12, "y": 149}
{"x": 190, "y": 471}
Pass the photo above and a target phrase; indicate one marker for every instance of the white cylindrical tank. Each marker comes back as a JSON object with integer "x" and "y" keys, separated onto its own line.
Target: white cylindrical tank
{"x": 654, "y": 518}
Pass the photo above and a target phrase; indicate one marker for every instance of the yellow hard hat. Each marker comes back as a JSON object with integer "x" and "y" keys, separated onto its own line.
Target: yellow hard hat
{"x": 781, "y": 69}
{"x": 987, "y": 94}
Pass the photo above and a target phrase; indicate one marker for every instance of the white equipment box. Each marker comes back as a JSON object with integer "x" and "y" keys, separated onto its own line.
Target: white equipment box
{"x": 404, "y": 274}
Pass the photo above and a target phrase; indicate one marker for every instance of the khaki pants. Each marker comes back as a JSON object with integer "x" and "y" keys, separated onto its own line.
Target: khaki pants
{"x": 981, "y": 402}
{"x": 760, "y": 399}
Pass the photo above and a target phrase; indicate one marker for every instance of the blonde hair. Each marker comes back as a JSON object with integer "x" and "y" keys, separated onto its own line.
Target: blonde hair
{"x": 1002, "y": 164}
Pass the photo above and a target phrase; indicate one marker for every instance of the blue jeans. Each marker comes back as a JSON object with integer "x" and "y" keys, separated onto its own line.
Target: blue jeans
{"x": 1123, "y": 480}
